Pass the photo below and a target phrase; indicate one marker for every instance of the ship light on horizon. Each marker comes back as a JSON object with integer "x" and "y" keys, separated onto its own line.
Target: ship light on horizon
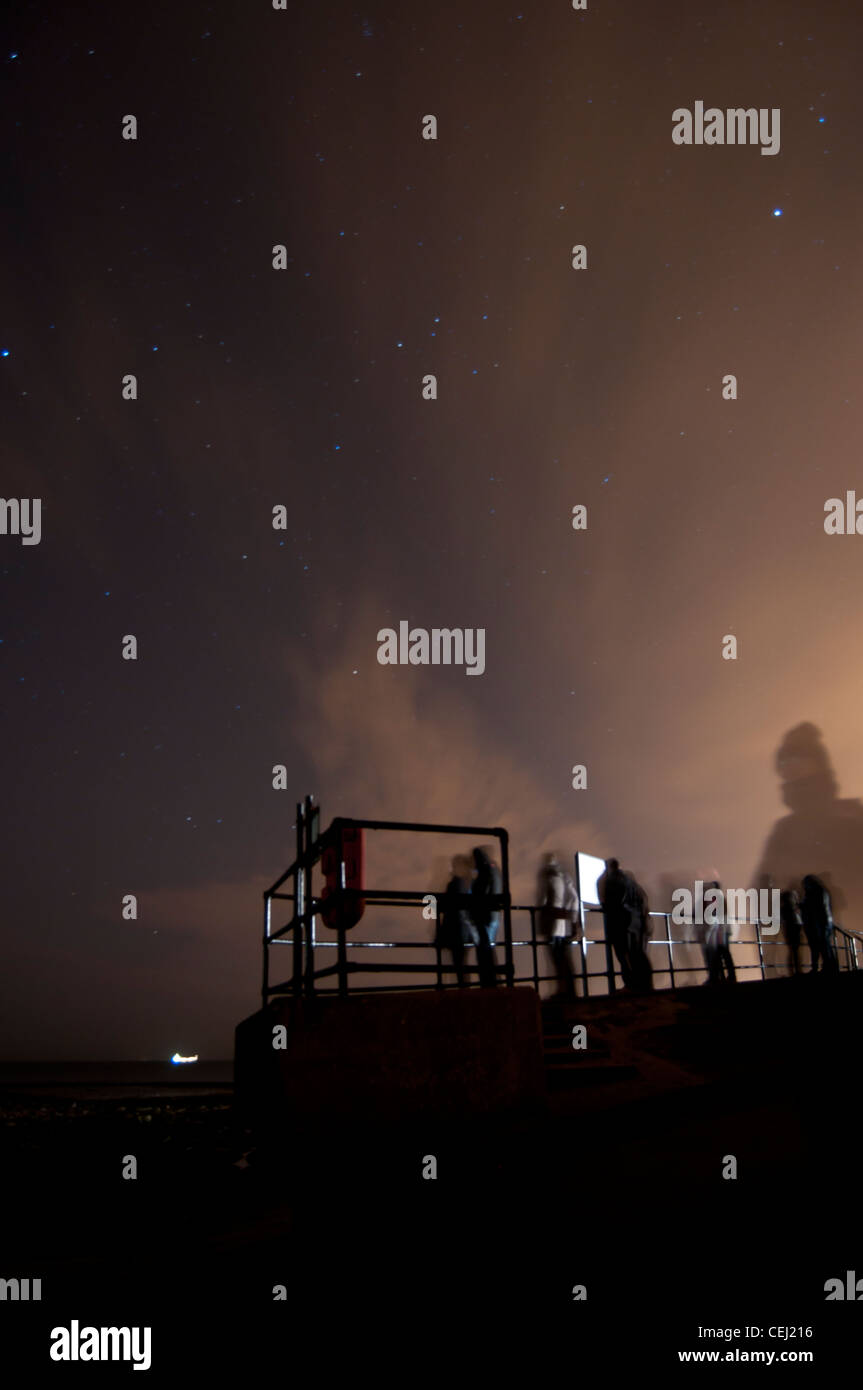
{"x": 177, "y": 1058}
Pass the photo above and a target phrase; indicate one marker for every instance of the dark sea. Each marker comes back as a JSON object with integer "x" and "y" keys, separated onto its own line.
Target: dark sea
{"x": 113, "y": 1080}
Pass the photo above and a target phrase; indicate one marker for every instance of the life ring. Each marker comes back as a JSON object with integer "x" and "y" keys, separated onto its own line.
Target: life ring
{"x": 344, "y": 844}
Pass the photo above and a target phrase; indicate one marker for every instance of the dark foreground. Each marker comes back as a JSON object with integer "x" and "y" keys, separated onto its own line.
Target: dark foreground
{"x": 385, "y": 1271}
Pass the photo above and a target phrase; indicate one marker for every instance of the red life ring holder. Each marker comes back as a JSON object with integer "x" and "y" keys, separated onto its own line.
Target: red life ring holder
{"x": 343, "y": 844}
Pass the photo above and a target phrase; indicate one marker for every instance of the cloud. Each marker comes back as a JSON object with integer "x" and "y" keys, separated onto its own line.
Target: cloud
{"x": 407, "y": 743}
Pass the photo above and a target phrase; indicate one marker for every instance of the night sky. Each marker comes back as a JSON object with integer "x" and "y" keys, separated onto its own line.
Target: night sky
{"x": 303, "y": 387}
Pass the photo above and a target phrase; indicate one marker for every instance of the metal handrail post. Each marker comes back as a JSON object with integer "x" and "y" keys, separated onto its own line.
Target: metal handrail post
{"x": 509, "y": 964}
{"x": 585, "y": 984}
{"x": 437, "y": 946}
{"x": 760, "y": 941}
{"x": 534, "y": 949}
{"x": 265, "y": 983}
{"x": 342, "y": 957}
{"x": 299, "y": 908}
{"x": 341, "y": 938}
{"x": 308, "y": 900}
{"x": 609, "y": 958}
{"x": 667, "y": 916}
{"x": 585, "y": 978}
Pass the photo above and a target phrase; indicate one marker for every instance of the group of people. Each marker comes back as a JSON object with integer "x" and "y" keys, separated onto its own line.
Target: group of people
{"x": 715, "y": 938}
{"x": 470, "y": 917}
{"x": 811, "y": 913}
{"x": 625, "y": 913}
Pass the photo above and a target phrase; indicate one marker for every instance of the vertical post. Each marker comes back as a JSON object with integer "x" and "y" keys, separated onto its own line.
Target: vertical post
{"x": 667, "y": 917}
{"x": 437, "y": 946}
{"x": 341, "y": 948}
{"x": 308, "y": 900}
{"x": 582, "y": 925}
{"x": 609, "y": 965}
{"x": 299, "y": 906}
{"x": 758, "y": 938}
{"x": 585, "y": 978}
{"x": 609, "y": 958}
{"x": 507, "y": 914}
{"x": 265, "y": 983}
{"x": 532, "y": 911}
{"x": 342, "y": 959}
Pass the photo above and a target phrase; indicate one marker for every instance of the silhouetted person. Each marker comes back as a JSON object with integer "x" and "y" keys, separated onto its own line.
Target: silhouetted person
{"x": 558, "y": 903}
{"x": 642, "y": 970}
{"x": 615, "y": 897}
{"x": 822, "y": 828}
{"x": 717, "y": 942}
{"x": 792, "y": 925}
{"x": 455, "y": 933}
{"x": 817, "y": 917}
{"x": 484, "y": 917}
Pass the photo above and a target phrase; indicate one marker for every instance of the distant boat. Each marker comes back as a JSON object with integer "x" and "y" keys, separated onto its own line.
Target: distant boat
{"x": 177, "y": 1058}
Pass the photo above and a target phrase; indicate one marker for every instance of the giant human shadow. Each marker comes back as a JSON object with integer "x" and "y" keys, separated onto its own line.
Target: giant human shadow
{"x": 823, "y": 834}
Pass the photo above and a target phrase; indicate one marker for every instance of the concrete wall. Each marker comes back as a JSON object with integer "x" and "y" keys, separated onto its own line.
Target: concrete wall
{"x": 453, "y": 1053}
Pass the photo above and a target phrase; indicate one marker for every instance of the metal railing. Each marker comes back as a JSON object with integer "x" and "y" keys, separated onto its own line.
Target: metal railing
{"x": 523, "y": 956}
{"x": 302, "y": 926}
{"x": 439, "y": 973}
